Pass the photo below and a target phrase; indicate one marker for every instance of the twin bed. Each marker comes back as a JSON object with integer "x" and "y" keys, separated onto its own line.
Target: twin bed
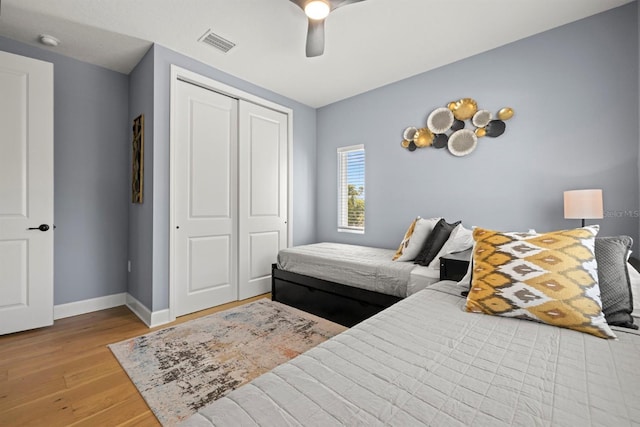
{"x": 425, "y": 361}
{"x": 345, "y": 283}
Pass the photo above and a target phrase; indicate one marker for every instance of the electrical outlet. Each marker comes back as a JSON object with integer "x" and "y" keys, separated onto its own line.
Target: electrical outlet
{"x": 129, "y": 266}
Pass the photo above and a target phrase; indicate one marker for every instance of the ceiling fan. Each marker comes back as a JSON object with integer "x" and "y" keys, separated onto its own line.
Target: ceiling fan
{"x": 317, "y": 11}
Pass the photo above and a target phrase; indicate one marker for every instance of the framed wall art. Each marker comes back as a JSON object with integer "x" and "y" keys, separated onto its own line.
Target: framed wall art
{"x": 137, "y": 160}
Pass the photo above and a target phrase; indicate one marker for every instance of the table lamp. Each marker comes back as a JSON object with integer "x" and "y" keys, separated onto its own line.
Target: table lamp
{"x": 583, "y": 204}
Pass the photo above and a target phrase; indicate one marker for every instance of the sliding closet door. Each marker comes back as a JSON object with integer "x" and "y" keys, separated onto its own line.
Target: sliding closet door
{"x": 263, "y": 187}
{"x": 205, "y": 199}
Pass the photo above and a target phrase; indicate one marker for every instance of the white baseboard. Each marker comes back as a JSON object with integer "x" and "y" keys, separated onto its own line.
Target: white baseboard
{"x": 151, "y": 319}
{"x": 160, "y": 317}
{"x": 87, "y": 306}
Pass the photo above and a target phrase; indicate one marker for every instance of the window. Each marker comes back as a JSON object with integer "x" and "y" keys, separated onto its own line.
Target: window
{"x": 351, "y": 189}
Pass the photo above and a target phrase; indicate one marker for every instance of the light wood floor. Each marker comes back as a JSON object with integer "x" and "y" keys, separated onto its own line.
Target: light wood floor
{"x": 65, "y": 375}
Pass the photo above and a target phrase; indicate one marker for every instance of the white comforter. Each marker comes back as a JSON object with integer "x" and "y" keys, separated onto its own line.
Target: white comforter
{"x": 424, "y": 361}
{"x": 358, "y": 266}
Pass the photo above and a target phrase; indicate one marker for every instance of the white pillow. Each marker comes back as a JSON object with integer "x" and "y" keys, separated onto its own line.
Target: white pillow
{"x": 460, "y": 240}
{"x": 634, "y": 279}
{"x": 415, "y": 241}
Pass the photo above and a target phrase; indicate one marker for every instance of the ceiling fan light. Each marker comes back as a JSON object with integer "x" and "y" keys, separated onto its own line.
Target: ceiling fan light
{"x": 317, "y": 9}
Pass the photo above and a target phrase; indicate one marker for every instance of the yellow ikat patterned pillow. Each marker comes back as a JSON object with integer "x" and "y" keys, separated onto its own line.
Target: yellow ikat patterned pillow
{"x": 550, "y": 278}
{"x": 406, "y": 239}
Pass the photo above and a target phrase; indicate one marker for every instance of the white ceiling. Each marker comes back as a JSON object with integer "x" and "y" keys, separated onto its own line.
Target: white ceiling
{"x": 368, "y": 44}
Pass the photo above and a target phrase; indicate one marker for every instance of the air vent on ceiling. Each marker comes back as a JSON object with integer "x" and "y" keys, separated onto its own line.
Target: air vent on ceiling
{"x": 216, "y": 41}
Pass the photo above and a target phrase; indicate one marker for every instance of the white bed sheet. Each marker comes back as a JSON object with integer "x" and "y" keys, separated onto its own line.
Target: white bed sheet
{"x": 351, "y": 265}
{"x": 424, "y": 361}
{"x": 422, "y": 277}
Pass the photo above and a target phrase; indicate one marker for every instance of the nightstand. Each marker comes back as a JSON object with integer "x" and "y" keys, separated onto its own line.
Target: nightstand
{"x": 454, "y": 266}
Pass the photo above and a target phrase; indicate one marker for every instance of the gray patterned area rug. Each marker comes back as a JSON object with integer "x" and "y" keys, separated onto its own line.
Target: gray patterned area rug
{"x": 182, "y": 368}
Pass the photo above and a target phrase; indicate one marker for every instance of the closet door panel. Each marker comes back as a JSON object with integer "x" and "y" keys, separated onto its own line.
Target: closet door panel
{"x": 210, "y": 161}
{"x": 205, "y": 205}
{"x": 264, "y": 168}
{"x": 208, "y": 271}
{"x": 261, "y": 249}
{"x": 263, "y": 142}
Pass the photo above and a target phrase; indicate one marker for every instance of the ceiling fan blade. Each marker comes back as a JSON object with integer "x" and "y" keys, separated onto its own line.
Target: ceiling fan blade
{"x": 339, "y": 3}
{"x": 300, "y": 3}
{"x": 315, "y": 38}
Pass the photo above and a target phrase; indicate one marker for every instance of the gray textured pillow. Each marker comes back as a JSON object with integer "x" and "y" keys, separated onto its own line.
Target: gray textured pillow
{"x": 613, "y": 277}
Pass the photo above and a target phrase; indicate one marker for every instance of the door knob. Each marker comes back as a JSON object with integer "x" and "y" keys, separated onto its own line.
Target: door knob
{"x": 42, "y": 227}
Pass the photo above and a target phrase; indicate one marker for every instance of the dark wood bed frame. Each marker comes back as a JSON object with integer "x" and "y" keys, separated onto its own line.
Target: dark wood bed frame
{"x": 339, "y": 303}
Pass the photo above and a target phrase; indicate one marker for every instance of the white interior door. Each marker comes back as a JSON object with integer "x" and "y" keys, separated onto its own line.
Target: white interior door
{"x": 26, "y": 193}
{"x": 263, "y": 195}
{"x": 205, "y": 193}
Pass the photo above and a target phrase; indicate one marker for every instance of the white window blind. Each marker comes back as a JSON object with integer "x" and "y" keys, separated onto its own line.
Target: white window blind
{"x": 351, "y": 195}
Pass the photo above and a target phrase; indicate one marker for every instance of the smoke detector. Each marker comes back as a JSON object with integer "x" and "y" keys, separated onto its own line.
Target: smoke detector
{"x": 219, "y": 42}
{"x": 48, "y": 40}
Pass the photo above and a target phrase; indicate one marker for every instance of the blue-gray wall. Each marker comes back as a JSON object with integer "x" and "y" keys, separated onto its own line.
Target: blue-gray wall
{"x": 140, "y": 223}
{"x": 151, "y": 286}
{"x": 574, "y": 90}
{"x": 98, "y": 228}
{"x": 91, "y": 176}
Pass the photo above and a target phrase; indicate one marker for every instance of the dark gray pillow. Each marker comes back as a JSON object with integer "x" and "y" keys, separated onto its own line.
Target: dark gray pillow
{"x": 613, "y": 278}
{"x": 435, "y": 241}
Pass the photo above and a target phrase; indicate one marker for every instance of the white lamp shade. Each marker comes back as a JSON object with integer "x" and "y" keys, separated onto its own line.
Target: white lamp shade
{"x": 583, "y": 204}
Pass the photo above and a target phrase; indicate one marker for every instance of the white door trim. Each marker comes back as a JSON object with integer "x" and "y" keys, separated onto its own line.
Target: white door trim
{"x": 179, "y": 73}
